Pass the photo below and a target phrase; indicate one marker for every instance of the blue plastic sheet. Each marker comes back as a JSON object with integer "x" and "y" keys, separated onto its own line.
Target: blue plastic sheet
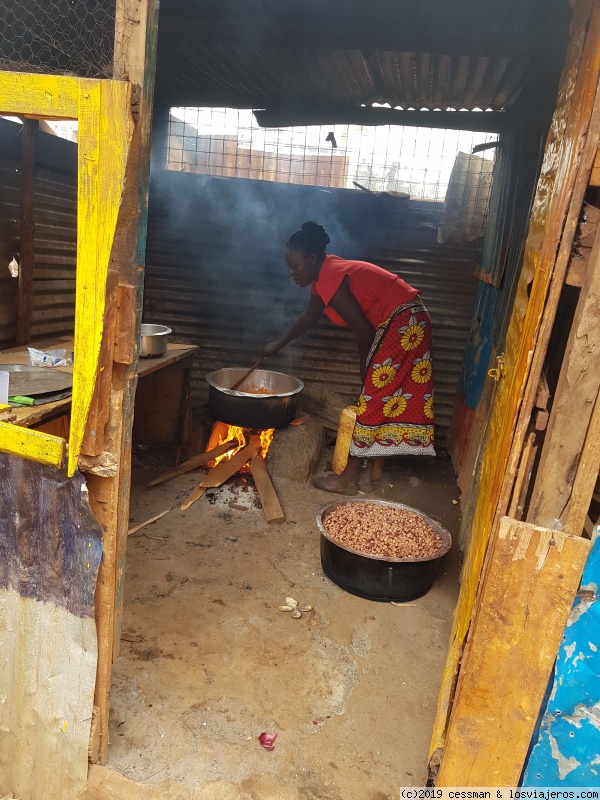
{"x": 567, "y": 750}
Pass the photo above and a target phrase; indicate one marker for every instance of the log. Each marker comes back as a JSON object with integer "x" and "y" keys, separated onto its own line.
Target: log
{"x": 223, "y": 471}
{"x": 195, "y": 462}
{"x": 266, "y": 491}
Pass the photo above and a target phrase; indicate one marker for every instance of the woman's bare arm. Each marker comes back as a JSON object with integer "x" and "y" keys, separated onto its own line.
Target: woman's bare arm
{"x": 309, "y": 317}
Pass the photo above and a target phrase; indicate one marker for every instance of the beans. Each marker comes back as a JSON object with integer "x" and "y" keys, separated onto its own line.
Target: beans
{"x": 383, "y": 531}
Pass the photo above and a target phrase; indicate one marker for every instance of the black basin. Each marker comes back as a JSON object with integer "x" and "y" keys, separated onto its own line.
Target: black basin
{"x": 376, "y": 577}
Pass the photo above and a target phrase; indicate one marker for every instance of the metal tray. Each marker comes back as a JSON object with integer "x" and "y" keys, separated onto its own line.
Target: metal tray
{"x": 31, "y": 381}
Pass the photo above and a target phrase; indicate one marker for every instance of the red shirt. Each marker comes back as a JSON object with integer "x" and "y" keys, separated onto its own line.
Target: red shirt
{"x": 377, "y": 291}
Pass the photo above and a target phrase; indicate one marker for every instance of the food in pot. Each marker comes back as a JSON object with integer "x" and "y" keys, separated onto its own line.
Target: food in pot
{"x": 380, "y": 530}
{"x": 256, "y": 390}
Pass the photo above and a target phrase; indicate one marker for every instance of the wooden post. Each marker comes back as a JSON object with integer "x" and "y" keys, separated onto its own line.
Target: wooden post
{"x": 25, "y": 298}
{"x": 574, "y": 400}
{"x": 135, "y": 61}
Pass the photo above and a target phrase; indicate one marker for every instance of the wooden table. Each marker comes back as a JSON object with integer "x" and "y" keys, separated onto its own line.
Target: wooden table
{"x": 162, "y": 396}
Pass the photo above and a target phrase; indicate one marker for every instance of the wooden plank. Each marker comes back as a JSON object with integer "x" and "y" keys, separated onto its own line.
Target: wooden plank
{"x": 521, "y": 479}
{"x": 33, "y": 445}
{"x": 194, "y": 463}
{"x": 175, "y": 352}
{"x": 105, "y": 130}
{"x": 93, "y": 441}
{"x": 136, "y": 34}
{"x": 105, "y": 783}
{"x": 155, "y": 518}
{"x": 534, "y": 575}
{"x": 26, "y": 249}
{"x": 586, "y": 477}
{"x": 569, "y": 154}
{"x": 124, "y": 344}
{"x": 595, "y": 176}
{"x": 42, "y": 96}
{"x": 542, "y": 396}
{"x": 223, "y": 471}
{"x": 268, "y": 496}
{"x": 574, "y": 399}
{"x": 576, "y": 271}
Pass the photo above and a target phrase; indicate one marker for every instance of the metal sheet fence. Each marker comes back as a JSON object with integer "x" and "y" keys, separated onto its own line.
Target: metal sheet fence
{"x": 55, "y": 234}
{"x": 215, "y": 274}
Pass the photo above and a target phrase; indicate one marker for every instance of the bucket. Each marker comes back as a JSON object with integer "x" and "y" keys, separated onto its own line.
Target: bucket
{"x": 344, "y": 439}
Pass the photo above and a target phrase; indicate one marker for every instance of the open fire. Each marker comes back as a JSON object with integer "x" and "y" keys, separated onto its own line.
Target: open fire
{"x": 222, "y": 432}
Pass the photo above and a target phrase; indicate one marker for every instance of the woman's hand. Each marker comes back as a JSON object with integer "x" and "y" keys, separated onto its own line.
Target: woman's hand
{"x": 271, "y": 349}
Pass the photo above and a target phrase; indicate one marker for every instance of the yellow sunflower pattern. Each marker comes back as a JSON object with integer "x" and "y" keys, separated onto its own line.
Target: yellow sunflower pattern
{"x": 384, "y": 374}
{"x": 422, "y": 369}
{"x": 395, "y": 405}
{"x": 428, "y": 407}
{"x": 361, "y": 405}
{"x": 412, "y": 335}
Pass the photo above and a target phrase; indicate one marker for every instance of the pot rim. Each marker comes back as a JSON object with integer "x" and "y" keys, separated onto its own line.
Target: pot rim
{"x": 439, "y": 529}
{"x": 235, "y": 393}
{"x": 164, "y": 332}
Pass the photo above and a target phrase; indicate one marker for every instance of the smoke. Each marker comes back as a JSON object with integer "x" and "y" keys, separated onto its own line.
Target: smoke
{"x": 231, "y": 234}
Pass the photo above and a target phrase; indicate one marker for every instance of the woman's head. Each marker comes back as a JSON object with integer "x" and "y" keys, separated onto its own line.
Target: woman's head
{"x": 305, "y": 251}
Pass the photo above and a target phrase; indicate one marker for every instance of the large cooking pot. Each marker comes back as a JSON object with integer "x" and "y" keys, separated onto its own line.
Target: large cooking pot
{"x": 379, "y": 577}
{"x": 251, "y": 409}
{"x": 153, "y": 340}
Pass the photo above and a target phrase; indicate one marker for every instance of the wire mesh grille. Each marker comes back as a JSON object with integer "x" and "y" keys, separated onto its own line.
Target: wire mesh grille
{"x": 420, "y": 163}
{"x": 73, "y": 37}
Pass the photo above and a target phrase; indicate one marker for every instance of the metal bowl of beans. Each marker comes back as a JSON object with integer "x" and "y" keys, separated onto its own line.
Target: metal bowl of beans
{"x": 380, "y": 550}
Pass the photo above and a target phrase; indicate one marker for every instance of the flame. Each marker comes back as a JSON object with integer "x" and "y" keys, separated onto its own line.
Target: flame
{"x": 222, "y": 433}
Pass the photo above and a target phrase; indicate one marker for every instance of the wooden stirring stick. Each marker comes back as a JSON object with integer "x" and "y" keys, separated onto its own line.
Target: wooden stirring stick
{"x": 237, "y": 384}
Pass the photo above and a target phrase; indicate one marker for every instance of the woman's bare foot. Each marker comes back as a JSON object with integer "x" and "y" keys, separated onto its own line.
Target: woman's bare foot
{"x": 346, "y": 483}
{"x": 335, "y": 484}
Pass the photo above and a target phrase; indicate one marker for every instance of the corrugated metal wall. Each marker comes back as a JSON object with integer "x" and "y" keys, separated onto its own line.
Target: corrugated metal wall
{"x": 215, "y": 274}
{"x": 55, "y": 234}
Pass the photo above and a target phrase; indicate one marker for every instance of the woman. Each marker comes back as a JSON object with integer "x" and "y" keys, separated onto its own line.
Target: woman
{"x": 393, "y": 333}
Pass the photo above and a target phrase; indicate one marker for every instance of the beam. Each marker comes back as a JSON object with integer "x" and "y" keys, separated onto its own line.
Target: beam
{"x": 26, "y": 249}
{"x": 572, "y": 408}
{"x": 284, "y": 117}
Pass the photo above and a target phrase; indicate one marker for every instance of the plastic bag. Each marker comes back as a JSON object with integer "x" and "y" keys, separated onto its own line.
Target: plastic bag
{"x": 13, "y": 268}
{"x": 48, "y": 358}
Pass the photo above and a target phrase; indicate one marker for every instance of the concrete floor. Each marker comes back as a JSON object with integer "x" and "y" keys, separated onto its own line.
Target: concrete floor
{"x": 208, "y": 661}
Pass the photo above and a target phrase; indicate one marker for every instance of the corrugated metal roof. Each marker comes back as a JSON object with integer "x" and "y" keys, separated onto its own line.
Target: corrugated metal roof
{"x": 433, "y": 54}
{"x": 220, "y": 76}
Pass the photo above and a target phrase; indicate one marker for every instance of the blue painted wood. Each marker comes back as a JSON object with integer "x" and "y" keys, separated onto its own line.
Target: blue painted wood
{"x": 567, "y": 749}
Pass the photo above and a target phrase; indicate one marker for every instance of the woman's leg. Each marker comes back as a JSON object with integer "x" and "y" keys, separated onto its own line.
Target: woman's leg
{"x": 370, "y": 474}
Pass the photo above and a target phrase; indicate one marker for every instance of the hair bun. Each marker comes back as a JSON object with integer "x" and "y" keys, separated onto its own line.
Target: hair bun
{"x": 316, "y": 232}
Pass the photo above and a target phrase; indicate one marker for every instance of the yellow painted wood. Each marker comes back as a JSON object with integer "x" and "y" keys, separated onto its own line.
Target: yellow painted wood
{"x": 105, "y": 129}
{"x": 526, "y": 598}
{"x": 562, "y": 156}
{"x": 42, "y": 96}
{"x": 31, "y": 444}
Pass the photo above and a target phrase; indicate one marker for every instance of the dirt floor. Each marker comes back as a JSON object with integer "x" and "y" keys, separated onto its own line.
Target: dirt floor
{"x": 208, "y": 662}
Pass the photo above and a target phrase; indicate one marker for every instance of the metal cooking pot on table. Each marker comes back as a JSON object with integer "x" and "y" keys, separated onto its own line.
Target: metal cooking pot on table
{"x": 253, "y": 410}
{"x": 153, "y": 340}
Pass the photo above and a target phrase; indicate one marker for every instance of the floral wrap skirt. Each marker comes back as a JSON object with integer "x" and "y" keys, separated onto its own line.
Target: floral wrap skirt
{"x": 395, "y": 409}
